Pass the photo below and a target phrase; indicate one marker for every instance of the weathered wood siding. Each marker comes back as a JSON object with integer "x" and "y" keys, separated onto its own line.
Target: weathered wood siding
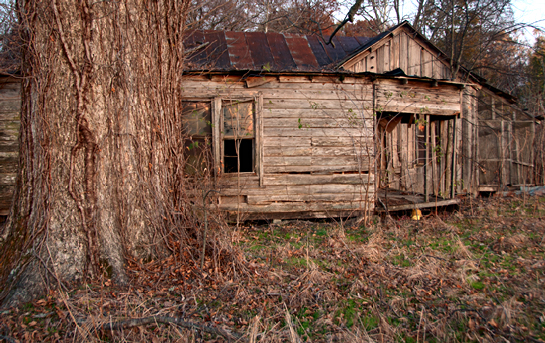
{"x": 10, "y": 107}
{"x": 317, "y": 146}
{"x": 505, "y": 143}
{"x": 402, "y": 50}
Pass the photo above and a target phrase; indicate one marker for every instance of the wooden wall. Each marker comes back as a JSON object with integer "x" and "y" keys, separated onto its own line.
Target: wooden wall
{"x": 10, "y": 107}
{"x": 317, "y": 146}
{"x": 402, "y": 50}
{"x": 505, "y": 144}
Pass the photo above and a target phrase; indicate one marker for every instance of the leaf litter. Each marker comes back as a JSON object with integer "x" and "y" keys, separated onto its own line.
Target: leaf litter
{"x": 452, "y": 277}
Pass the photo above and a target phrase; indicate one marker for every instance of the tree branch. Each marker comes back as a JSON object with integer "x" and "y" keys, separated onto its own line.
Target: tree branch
{"x": 349, "y": 18}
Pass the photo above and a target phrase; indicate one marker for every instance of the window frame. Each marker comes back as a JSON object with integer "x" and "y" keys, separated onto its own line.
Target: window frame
{"x": 218, "y": 132}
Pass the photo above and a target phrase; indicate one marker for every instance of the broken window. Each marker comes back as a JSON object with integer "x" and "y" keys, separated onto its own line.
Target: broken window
{"x": 238, "y": 136}
{"x": 197, "y": 135}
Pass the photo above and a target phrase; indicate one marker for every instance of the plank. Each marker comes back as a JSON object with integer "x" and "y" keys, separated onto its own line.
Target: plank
{"x": 318, "y": 169}
{"x": 414, "y": 52}
{"x": 8, "y": 179}
{"x": 293, "y": 179}
{"x": 359, "y": 112}
{"x": 414, "y": 108}
{"x": 318, "y": 105}
{"x": 274, "y": 141}
{"x": 316, "y": 132}
{"x": 403, "y": 51}
{"x": 372, "y": 62}
{"x": 423, "y": 205}
{"x": 359, "y": 142}
{"x": 303, "y": 123}
{"x": 334, "y": 197}
{"x": 427, "y": 64}
{"x": 394, "y": 53}
{"x": 312, "y": 94}
{"x": 311, "y": 160}
{"x": 298, "y": 189}
{"x": 380, "y": 59}
{"x": 10, "y": 105}
{"x": 299, "y": 207}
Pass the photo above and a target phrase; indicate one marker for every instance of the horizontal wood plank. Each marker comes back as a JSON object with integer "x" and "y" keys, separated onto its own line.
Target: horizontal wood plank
{"x": 334, "y": 197}
{"x": 316, "y": 132}
{"x": 361, "y": 112}
{"x": 291, "y": 179}
{"x": 298, "y": 207}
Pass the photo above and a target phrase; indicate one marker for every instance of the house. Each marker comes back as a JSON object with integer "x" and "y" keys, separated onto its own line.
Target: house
{"x": 10, "y": 106}
{"x": 294, "y": 128}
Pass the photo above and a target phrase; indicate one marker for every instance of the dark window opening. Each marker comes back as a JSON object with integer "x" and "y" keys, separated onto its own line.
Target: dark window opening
{"x": 242, "y": 152}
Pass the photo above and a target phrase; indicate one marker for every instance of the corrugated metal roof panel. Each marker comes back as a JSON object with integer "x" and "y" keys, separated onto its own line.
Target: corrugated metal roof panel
{"x": 259, "y": 51}
{"x": 281, "y": 53}
{"x": 301, "y": 53}
{"x": 217, "y": 50}
{"x": 318, "y": 50}
{"x": 336, "y": 52}
{"x": 349, "y": 44}
{"x": 239, "y": 52}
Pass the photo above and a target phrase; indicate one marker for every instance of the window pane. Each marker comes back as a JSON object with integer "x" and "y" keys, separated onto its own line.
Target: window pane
{"x": 197, "y": 118}
{"x": 238, "y": 119}
{"x": 243, "y": 150}
{"x": 197, "y": 157}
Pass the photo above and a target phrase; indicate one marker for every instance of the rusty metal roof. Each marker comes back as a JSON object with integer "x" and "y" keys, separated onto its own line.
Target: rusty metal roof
{"x": 271, "y": 52}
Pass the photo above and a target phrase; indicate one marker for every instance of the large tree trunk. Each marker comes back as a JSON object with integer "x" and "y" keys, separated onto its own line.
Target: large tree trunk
{"x": 101, "y": 149}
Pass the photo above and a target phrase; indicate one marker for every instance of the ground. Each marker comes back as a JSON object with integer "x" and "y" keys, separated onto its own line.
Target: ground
{"x": 473, "y": 275}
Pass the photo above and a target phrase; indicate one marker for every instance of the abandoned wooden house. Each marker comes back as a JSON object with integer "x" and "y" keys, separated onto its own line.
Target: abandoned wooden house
{"x": 298, "y": 128}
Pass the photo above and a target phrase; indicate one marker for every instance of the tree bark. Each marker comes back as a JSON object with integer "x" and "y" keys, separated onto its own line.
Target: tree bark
{"x": 101, "y": 155}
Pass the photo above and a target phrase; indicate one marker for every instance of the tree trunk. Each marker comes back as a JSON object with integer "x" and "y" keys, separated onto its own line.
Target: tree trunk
{"x": 101, "y": 146}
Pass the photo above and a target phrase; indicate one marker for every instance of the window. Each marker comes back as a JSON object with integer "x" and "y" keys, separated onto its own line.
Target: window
{"x": 225, "y": 128}
{"x": 198, "y": 136}
{"x": 238, "y": 137}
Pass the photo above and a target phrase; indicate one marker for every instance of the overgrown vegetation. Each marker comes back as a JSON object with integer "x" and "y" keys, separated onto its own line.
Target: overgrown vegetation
{"x": 473, "y": 275}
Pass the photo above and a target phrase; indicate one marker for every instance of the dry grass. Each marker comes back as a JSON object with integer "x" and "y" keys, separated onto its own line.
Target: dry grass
{"x": 460, "y": 277}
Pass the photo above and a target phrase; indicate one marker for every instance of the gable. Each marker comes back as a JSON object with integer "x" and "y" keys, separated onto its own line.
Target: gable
{"x": 402, "y": 48}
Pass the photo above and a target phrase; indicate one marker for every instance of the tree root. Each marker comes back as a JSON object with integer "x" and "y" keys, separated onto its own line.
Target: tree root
{"x": 130, "y": 323}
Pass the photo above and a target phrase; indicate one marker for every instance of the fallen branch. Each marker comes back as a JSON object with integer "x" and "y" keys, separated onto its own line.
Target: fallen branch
{"x": 130, "y": 323}
{"x": 7, "y": 339}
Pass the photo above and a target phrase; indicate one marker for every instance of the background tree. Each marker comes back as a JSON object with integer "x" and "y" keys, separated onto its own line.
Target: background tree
{"x": 290, "y": 16}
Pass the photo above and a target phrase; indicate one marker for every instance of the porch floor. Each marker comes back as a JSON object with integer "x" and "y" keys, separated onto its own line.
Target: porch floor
{"x": 396, "y": 200}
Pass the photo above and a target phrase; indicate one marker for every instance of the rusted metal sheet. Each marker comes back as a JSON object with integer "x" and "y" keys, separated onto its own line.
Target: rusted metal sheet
{"x": 281, "y": 53}
{"x": 348, "y": 44}
{"x": 193, "y": 40}
{"x": 335, "y": 53}
{"x": 260, "y": 50}
{"x": 363, "y": 40}
{"x": 301, "y": 52}
{"x": 318, "y": 50}
{"x": 217, "y": 52}
{"x": 239, "y": 52}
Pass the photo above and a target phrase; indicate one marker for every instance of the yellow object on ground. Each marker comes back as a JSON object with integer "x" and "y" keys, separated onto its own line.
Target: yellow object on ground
{"x": 416, "y": 215}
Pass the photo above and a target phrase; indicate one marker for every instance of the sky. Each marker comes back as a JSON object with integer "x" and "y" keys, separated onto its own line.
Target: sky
{"x": 530, "y": 11}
